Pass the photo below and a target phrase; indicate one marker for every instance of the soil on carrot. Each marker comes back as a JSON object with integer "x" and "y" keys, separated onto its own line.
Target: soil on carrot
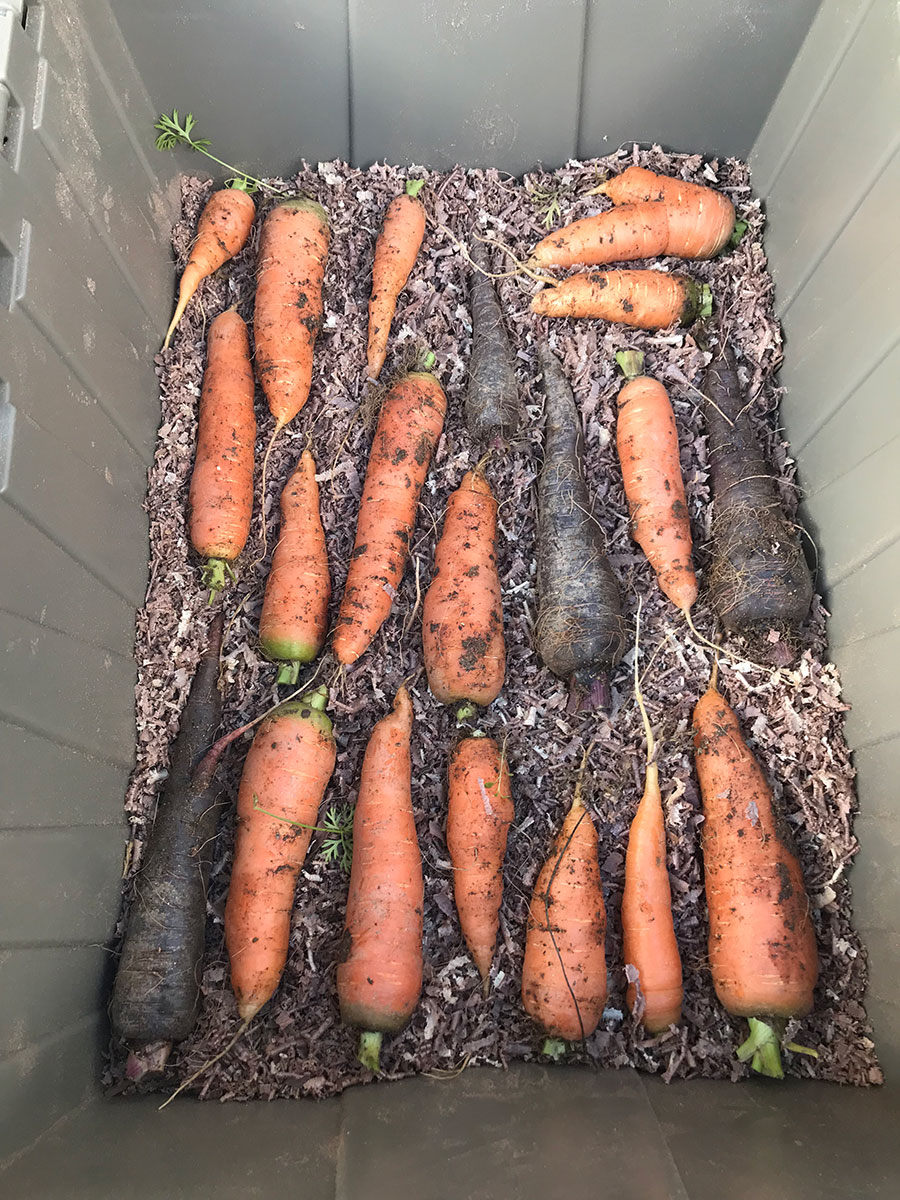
{"x": 793, "y": 718}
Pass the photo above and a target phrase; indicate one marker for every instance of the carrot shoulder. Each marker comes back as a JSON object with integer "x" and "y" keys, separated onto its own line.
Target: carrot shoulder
{"x": 294, "y": 619}
{"x": 379, "y": 978}
{"x": 409, "y": 426}
{"x": 221, "y": 493}
{"x": 479, "y": 814}
{"x": 647, "y": 443}
{"x": 396, "y": 252}
{"x": 762, "y": 946}
{"x": 462, "y": 614}
{"x": 285, "y": 775}
{"x": 293, "y": 247}
{"x": 643, "y": 299}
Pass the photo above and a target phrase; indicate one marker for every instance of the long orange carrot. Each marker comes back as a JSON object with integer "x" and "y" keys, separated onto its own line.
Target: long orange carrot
{"x": 284, "y": 779}
{"x": 294, "y": 619}
{"x": 479, "y": 814}
{"x": 395, "y": 255}
{"x": 379, "y": 979}
{"x": 222, "y": 231}
{"x": 619, "y": 235}
{"x": 409, "y": 426}
{"x": 700, "y": 219}
{"x": 647, "y": 442}
{"x": 643, "y": 299}
{"x": 462, "y": 613}
{"x": 762, "y": 946}
{"x": 293, "y": 246}
{"x": 564, "y": 972}
{"x": 652, "y": 961}
{"x": 221, "y": 494}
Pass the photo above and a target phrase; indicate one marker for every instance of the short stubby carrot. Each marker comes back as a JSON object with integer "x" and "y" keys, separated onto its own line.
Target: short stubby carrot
{"x": 396, "y": 252}
{"x": 220, "y": 500}
{"x": 379, "y": 977}
{"x": 564, "y": 972}
{"x": 222, "y": 232}
{"x": 293, "y": 247}
{"x": 462, "y": 613}
{"x": 642, "y": 299}
{"x": 700, "y": 219}
{"x": 408, "y": 430}
{"x": 284, "y": 779}
{"x": 479, "y": 814}
{"x": 762, "y": 946}
{"x": 647, "y": 442}
{"x": 294, "y": 619}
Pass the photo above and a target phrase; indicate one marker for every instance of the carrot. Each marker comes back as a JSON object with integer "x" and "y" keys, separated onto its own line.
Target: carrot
{"x": 409, "y": 426}
{"x": 758, "y": 577}
{"x": 644, "y": 299}
{"x": 564, "y": 972}
{"x": 652, "y": 962}
{"x": 462, "y": 614}
{"x": 294, "y": 619}
{"x": 493, "y": 407}
{"x": 156, "y": 997}
{"x": 700, "y": 219}
{"x": 221, "y": 493}
{"x": 285, "y": 775}
{"x": 222, "y": 232}
{"x": 762, "y": 947}
{"x": 479, "y": 814}
{"x": 579, "y": 633}
{"x": 396, "y": 252}
{"x": 379, "y": 978}
{"x": 647, "y": 442}
{"x": 293, "y": 247}
{"x": 619, "y": 235}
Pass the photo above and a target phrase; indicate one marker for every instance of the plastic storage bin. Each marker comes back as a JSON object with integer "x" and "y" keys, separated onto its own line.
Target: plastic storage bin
{"x": 810, "y": 93}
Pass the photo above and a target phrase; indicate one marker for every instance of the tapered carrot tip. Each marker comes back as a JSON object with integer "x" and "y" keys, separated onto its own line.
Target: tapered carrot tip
{"x": 369, "y": 1050}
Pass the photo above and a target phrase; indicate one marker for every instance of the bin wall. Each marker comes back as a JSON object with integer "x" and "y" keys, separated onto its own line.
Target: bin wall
{"x": 828, "y": 164}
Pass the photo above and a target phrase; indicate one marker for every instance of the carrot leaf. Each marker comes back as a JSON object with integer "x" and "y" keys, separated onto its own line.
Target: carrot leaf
{"x": 553, "y": 1048}
{"x": 761, "y": 1049}
{"x": 740, "y": 228}
{"x": 172, "y": 133}
{"x": 414, "y": 186}
{"x": 338, "y": 846}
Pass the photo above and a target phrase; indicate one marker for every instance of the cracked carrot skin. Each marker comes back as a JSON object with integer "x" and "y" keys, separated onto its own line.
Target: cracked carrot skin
{"x": 396, "y": 252}
{"x": 462, "y": 613}
{"x": 642, "y": 299}
{"x": 409, "y": 428}
{"x": 700, "y": 219}
{"x": 564, "y": 972}
{"x": 221, "y": 491}
{"x": 479, "y": 814}
{"x": 284, "y": 779}
{"x": 293, "y": 247}
{"x": 294, "y": 620}
{"x": 379, "y": 978}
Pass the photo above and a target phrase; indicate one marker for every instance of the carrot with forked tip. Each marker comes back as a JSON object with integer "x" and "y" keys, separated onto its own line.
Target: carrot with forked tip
{"x": 395, "y": 255}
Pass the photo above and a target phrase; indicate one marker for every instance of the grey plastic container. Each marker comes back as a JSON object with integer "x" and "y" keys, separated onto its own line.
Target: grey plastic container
{"x": 812, "y": 94}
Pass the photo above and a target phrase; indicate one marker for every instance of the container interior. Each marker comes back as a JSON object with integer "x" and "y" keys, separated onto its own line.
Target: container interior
{"x": 809, "y": 92}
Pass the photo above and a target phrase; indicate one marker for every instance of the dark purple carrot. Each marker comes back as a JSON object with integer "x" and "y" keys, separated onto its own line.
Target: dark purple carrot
{"x": 493, "y": 408}
{"x": 758, "y": 579}
{"x": 157, "y": 988}
{"x": 579, "y": 634}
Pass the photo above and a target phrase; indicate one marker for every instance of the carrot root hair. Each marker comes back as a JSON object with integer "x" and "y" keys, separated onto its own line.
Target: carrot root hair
{"x": 209, "y": 1063}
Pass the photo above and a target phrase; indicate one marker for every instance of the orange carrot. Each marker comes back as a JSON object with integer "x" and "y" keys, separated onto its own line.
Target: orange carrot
{"x": 762, "y": 947}
{"x": 564, "y": 972}
{"x": 294, "y": 619}
{"x": 221, "y": 493}
{"x": 409, "y": 426}
{"x": 479, "y": 814}
{"x": 652, "y": 961}
{"x": 462, "y": 614}
{"x": 293, "y": 247}
{"x": 619, "y": 235}
{"x": 379, "y": 978}
{"x": 222, "y": 232}
{"x": 395, "y": 255}
{"x": 700, "y": 219}
{"x": 284, "y": 779}
{"x": 647, "y": 442}
{"x": 643, "y": 299}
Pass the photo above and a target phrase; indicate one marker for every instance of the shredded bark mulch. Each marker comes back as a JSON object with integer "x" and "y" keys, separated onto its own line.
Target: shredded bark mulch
{"x": 793, "y": 718}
